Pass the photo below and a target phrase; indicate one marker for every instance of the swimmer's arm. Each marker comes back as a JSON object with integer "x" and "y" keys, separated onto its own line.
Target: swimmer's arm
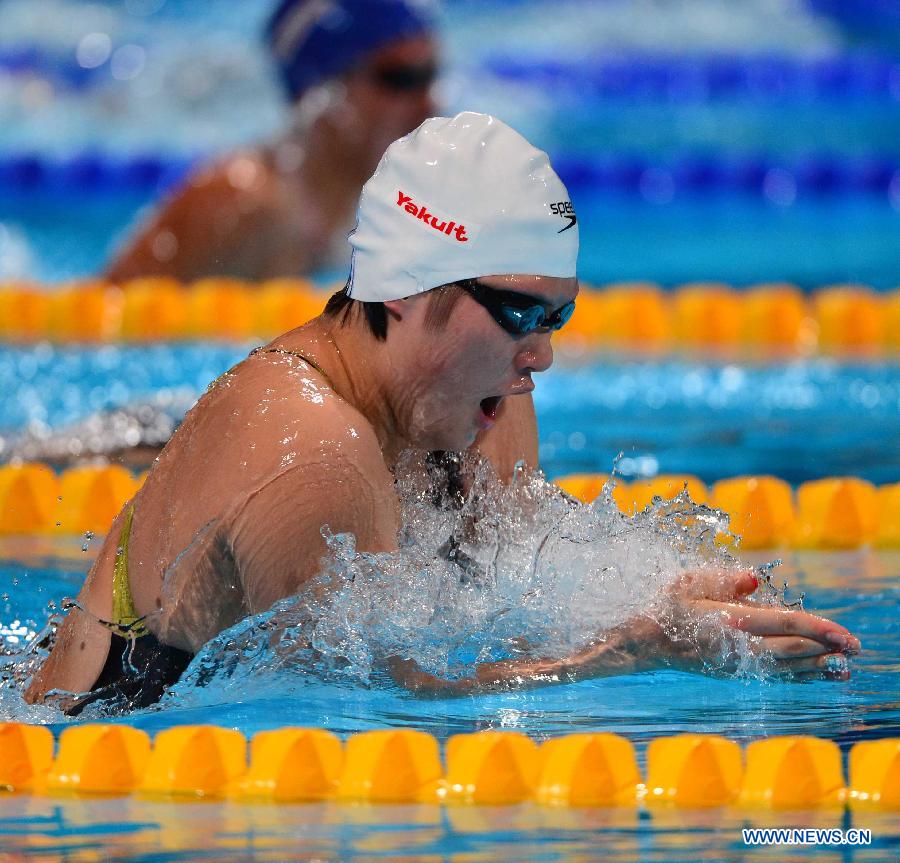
{"x": 274, "y": 540}
{"x": 800, "y": 645}
{"x": 208, "y": 227}
{"x": 82, "y": 641}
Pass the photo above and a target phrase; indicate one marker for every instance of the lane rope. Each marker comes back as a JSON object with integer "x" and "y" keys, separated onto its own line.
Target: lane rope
{"x": 487, "y": 768}
{"x": 767, "y": 320}
{"x": 830, "y": 513}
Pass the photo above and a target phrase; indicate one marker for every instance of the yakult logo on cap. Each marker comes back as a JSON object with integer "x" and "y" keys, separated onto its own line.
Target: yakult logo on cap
{"x": 452, "y": 229}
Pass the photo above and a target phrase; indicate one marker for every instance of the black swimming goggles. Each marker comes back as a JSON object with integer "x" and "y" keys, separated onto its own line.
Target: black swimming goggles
{"x": 406, "y": 78}
{"x": 518, "y": 314}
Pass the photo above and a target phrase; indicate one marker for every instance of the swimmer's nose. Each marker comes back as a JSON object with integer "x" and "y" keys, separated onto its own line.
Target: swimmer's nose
{"x": 537, "y": 356}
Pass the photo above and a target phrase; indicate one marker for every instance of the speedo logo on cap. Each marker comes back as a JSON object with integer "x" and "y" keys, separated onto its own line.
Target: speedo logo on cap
{"x": 566, "y": 211}
{"x": 450, "y": 229}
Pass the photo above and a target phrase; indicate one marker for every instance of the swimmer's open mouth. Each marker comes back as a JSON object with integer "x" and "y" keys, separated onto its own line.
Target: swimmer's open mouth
{"x": 490, "y": 406}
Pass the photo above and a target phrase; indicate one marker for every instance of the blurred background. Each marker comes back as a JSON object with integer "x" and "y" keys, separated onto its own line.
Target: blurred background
{"x": 701, "y": 140}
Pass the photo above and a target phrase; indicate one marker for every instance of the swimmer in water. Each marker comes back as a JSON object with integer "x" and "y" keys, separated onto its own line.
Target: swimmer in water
{"x": 463, "y": 266}
{"x": 358, "y": 74}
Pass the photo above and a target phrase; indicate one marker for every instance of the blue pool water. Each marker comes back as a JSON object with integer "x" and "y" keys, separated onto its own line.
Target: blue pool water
{"x": 146, "y": 831}
{"x": 714, "y": 420}
{"x": 859, "y": 588}
{"x": 801, "y": 420}
{"x": 204, "y": 87}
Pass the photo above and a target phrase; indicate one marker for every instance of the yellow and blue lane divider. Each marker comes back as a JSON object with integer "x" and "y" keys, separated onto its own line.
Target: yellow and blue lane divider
{"x": 831, "y": 513}
{"x": 766, "y": 320}
{"x": 766, "y": 512}
{"x": 486, "y": 767}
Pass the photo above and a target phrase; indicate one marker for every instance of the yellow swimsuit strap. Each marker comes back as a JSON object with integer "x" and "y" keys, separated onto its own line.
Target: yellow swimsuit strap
{"x": 125, "y": 617}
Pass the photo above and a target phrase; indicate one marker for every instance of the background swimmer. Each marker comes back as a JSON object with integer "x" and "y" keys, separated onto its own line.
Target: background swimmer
{"x": 359, "y": 75}
{"x": 432, "y": 346}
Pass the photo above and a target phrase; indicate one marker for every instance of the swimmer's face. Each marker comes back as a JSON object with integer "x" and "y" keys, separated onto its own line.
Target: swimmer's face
{"x": 391, "y": 94}
{"x": 466, "y": 371}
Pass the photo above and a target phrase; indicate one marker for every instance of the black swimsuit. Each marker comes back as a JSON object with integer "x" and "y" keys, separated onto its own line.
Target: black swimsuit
{"x": 136, "y": 673}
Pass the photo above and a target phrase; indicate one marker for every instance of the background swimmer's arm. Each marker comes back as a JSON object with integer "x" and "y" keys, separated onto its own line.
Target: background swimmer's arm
{"x": 218, "y": 223}
{"x": 513, "y": 438}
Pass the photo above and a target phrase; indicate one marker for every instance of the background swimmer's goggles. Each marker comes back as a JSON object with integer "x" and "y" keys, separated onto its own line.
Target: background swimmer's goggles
{"x": 407, "y": 77}
{"x": 518, "y": 314}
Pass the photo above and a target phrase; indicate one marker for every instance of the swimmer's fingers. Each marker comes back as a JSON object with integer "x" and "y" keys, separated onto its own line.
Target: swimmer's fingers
{"x": 829, "y": 666}
{"x": 790, "y": 647}
{"x": 801, "y": 658}
{"x": 767, "y": 621}
{"x": 715, "y": 585}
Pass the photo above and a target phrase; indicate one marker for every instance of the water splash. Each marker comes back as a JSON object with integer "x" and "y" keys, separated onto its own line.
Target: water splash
{"x": 493, "y": 572}
{"x": 496, "y": 572}
{"x": 18, "y": 663}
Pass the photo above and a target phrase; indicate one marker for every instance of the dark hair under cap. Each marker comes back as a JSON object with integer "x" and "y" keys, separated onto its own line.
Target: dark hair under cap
{"x": 314, "y": 40}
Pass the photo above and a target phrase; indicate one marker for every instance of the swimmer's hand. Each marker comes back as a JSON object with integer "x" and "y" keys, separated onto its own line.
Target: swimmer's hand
{"x": 699, "y": 629}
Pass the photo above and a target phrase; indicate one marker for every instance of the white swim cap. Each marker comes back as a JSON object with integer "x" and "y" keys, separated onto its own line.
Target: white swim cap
{"x": 459, "y": 198}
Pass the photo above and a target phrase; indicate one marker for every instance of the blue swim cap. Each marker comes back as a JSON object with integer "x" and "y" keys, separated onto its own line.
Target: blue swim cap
{"x": 314, "y": 40}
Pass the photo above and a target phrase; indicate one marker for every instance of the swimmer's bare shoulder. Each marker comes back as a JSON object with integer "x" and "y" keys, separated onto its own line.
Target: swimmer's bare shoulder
{"x": 335, "y": 477}
{"x": 227, "y": 219}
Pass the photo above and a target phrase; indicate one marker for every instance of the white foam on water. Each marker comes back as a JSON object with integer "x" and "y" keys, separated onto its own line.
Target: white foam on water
{"x": 499, "y": 572}
{"x": 514, "y": 571}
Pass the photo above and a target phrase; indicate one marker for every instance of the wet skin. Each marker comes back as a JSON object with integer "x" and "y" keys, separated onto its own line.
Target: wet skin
{"x": 230, "y": 517}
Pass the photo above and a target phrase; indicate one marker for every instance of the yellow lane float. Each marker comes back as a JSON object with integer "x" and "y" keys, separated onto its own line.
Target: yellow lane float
{"x": 195, "y": 761}
{"x": 292, "y": 764}
{"x": 694, "y": 770}
{"x": 154, "y": 309}
{"x": 875, "y": 774}
{"x": 851, "y": 319}
{"x": 391, "y": 766}
{"x": 491, "y": 767}
{"x": 776, "y": 318}
{"x": 831, "y": 513}
{"x": 494, "y": 768}
{"x": 761, "y": 509}
{"x": 761, "y": 320}
{"x": 840, "y": 512}
{"x": 707, "y": 315}
{"x": 100, "y": 759}
{"x": 793, "y": 773}
{"x": 588, "y": 770}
